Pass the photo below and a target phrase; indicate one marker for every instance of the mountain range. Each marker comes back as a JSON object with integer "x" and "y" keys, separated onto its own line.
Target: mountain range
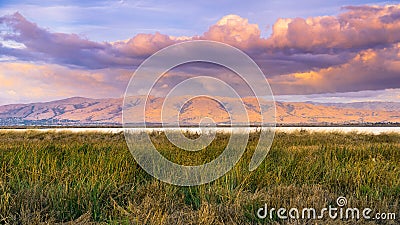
{"x": 87, "y": 111}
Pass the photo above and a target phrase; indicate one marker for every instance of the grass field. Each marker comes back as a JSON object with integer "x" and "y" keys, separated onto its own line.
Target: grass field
{"x": 81, "y": 178}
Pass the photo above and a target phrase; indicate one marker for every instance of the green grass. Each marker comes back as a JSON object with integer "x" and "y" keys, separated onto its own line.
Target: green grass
{"x": 92, "y": 177}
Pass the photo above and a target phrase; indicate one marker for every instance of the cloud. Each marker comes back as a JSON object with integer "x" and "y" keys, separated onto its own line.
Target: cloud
{"x": 27, "y": 82}
{"x": 369, "y": 70}
{"x": 173, "y": 77}
{"x": 235, "y": 30}
{"x": 143, "y": 45}
{"x": 360, "y": 27}
{"x": 60, "y": 48}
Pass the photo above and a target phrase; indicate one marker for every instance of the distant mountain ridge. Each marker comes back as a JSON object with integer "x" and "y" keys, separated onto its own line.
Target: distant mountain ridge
{"x": 76, "y": 110}
{"x": 86, "y": 111}
{"x": 373, "y": 105}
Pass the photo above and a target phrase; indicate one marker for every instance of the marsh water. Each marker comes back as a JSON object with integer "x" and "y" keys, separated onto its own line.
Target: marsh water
{"x": 372, "y": 130}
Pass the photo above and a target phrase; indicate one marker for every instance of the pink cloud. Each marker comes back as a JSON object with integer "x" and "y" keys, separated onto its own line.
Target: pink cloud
{"x": 143, "y": 44}
{"x": 358, "y": 27}
{"x": 234, "y": 30}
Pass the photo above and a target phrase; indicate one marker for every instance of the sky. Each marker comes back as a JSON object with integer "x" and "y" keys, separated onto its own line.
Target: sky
{"x": 325, "y": 51}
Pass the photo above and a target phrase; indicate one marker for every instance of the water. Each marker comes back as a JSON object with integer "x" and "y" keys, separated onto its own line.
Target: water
{"x": 371, "y": 130}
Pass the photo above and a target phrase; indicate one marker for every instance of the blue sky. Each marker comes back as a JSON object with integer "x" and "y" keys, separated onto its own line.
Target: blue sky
{"x": 122, "y": 19}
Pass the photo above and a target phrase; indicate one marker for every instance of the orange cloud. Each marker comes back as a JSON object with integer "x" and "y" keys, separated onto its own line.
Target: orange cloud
{"x": 368, "y": 70}
{"x": 4, "y": 81}
{"x": 26, "y": 82}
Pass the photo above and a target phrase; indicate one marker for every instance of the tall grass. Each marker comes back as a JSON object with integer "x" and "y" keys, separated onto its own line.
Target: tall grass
{"x": 92, "y": 178}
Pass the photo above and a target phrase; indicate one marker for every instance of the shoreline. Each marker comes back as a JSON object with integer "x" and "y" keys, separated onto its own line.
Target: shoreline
{"x": 288, "y": 129}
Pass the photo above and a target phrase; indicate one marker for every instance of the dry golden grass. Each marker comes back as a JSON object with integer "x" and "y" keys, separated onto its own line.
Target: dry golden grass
{"x": 84, "y": 178}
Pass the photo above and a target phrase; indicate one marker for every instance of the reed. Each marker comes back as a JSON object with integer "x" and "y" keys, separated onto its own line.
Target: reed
{"x": 80, "y": 178}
